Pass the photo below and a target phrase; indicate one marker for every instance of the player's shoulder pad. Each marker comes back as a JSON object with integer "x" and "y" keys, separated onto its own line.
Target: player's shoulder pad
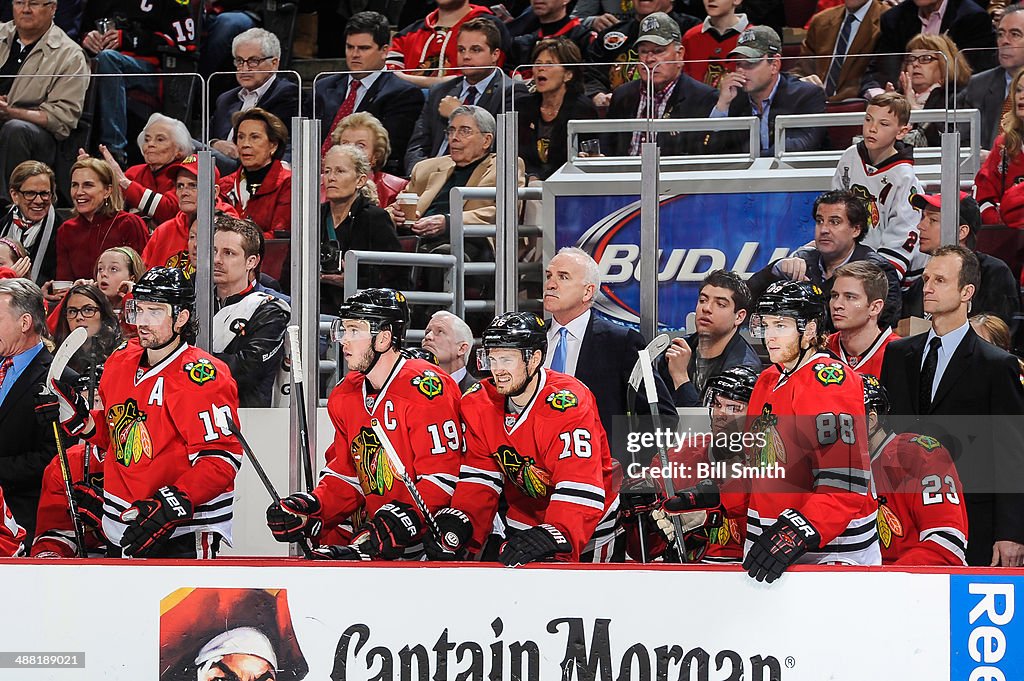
{"x": 201, "y": 369}
{"x": 428, "y": 382}
{"x": 473, "y": 388}
{"x": 562, "y": 399}
{"x": 830, "y": 372}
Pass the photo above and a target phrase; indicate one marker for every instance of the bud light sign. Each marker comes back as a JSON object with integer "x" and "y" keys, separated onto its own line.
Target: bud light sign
{"x": 986, "y": 636}
{"x": 698, "y": 233}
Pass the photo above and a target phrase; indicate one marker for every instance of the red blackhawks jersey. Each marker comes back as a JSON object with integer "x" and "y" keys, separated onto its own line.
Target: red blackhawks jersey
{"x": 54, "y": 531}
{"x": 871, "y": 361}
{"x": 418, "y": 406}
{"x": 707, "y": 49}
{"x": 11, "y": 533}
{"x": 921, "y": 520}
{"x": 429, "y": 48}
{"x": 810, "y": 424}
{"x": 555, "y": 454}
{"x": 165, "y": 425}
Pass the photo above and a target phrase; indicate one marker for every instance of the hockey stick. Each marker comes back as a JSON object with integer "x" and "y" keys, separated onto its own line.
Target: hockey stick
{"x": 261, "y": 474}
{"x": 396, "y": 463}
{"x": 300, "y": 399}
{"x": 64, "y": 353}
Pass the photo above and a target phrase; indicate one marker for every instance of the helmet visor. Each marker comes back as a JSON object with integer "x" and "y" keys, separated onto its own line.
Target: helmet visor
{"x": 348, "y": 330}
{"x": 143, "y": 313}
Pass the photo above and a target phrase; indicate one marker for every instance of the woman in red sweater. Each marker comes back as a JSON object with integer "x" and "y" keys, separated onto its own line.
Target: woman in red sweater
{"x": 261, "y": 190}
{"x": 997, "y": 186}
{"x": 100, "y": 221}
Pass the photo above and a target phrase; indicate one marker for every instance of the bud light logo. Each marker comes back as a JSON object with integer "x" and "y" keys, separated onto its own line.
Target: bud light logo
{"x": 986, "y": 634}
{"x": 698, "y": 233}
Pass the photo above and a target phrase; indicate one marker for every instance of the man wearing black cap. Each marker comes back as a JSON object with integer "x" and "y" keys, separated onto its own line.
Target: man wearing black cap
{"x": 998, "y": 293}
{"x": 769, "y": 92}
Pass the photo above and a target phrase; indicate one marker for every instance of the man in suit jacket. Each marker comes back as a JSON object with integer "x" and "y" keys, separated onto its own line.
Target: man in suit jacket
{"x": 451, "y": 341}
{"x": 969, "y": 378}
{"x": 759, "y": 88}
{"x": 28, "y": 444}
{"x": 964, "y": 21}
{"x": 986, "y": 91}
{"x": 659, "y": 47}
{"x": 393, "y": 101}
{"x": 597, "y": 352}
{"x": 482, "y": 83}
{"x": 820, "y": 43}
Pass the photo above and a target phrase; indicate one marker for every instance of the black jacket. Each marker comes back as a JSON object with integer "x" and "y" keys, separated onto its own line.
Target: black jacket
{"x": 986, "y": 91}
{"x": 556, "y": 150}
{"x": 737, "y": 353}
{"x": 254, "y": 356}
{"x": 48, "y": 268}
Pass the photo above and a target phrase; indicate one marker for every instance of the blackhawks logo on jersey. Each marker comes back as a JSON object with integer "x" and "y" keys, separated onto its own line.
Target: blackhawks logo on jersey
{"x": 862, "y": 192}
{"x": 832, "y": 373}
{"x": 472, "y": 389}
{"x": 774, "y": 449}
{"x": 128, "y": 432}
{"x": 927, "y": 442}
{"x": 725, "y": 533}
{"x": 889, "y": 524}
{"x": 372, "y": 466}
{"x": 429, "y": 384}
{"x": 533, "y": 480}
{"x": 200, "y": 371}
{"x": 562, "y": 400}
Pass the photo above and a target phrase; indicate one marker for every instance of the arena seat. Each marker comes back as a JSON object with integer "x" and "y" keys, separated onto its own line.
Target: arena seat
{"x": 274, "y": 254}
{"x": 799, "y": 12}
{"x": 839, "y": 138}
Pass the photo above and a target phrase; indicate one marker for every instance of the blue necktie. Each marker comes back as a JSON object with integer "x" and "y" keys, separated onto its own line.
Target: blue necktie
{"x": 561, "y": 352}
{"x": 842, "y": 45}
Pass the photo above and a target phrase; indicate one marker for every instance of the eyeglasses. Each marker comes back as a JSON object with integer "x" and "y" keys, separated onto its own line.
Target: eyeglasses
{"x": 251, "y": 63}
{"x": 33, "y": 4}
{"x": 87, "y": 312}
{"x": 32, "y": 196}
{"x": 920, "y": 59}
{"x": 461, "y": 132}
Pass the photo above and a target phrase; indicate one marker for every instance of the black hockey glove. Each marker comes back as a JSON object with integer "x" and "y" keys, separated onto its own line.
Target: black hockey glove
{"x": 65, "y": 404}
{"x": 293, "y": 518}
{"x": 340, "y": 553}
{"x": 780, "y": 546}
{"x": 536, "y": 543}
{"x": 152, "y": 520}
{"x": 703, "y": 495}
{"x": 89, "y": 499}
{"x": 456, "y": 531}
{"x": 394, "y": 526}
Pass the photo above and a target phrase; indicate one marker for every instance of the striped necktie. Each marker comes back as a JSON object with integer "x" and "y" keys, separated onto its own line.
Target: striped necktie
{"x": 832, "y": 80}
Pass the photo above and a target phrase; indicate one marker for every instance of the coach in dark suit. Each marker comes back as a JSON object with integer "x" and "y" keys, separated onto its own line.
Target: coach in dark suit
{"x": 597, "y": 352}
{"x": 967, "y": 24}
{"x": 396, "y": 103}
{"x": 945, "y": 377}
{"x": 822, "y": 40}
{"x": 28, "y": 445}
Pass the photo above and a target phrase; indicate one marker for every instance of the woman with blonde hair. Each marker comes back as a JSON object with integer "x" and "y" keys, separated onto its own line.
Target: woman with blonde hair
{"x": 934, "y": 71}
{"x": 366, "y": 132}
{"x": 100, "y": 221}
{"x": 994, "y": 330}
{"x": 996, "y": 188}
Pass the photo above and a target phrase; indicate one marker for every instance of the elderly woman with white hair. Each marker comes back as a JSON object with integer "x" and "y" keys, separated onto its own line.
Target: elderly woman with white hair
{"x": 148, "y": 188}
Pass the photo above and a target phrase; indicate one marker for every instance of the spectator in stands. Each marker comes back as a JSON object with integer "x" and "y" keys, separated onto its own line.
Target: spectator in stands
{"x": 31, "y": 219}
{"x": 996, "y": 187}
{"x": 451, "y": 341}
{"x": 557, "y": 99}
{"x": 257, "y": 55}
{"x": 964, "y": 21}
{"x": 547, "y": 19}
{"x": 676, "y": 95}
{"x": 932, "y": 73}
{"x": 851, "y": 27}
{"x": 41, "y": 104}
{"x": 426, "y": 49}
{"x": 350, "y": 219}
{"x": 481, "y": 83}
{"x": 840, "y": 225}
{"x": 69, "y": 16}
{"x": 722, "y": 307}
{"x": 992, "y": 329}
{"x": 117, "y": 270}
{"x": 366, "y": 132}
{"x": 86, "y": 307}
{"x": 14, "y": 260}
{"x": 616, "y": 46}
{"x": 856, "y": 304}
{"x": 597, "y": 15}
{"x": 707, "y": 44}
{"x": 998, "y": 292}
{"x": 133, "y": 48}
{"x": 261, "y": 190}
{"x": 225, "y": 20}
{"x": 758, "y": 87}
{"x": 248, "y": 326}
{"x": 100, "y": 221}
{"x": 989, "y": 90}
{"x": 370, "y": 88}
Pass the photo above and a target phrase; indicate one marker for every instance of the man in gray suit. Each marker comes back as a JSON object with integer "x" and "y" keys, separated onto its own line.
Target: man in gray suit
{"x": 451, "y": 341}
{"x": 988, "y": 90}
{"x": 482, "y": 83}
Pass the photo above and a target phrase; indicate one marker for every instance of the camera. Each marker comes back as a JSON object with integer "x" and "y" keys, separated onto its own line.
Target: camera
{"x": 330, "y": 257}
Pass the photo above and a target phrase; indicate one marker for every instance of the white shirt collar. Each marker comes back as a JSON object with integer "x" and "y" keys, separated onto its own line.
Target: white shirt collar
{"x": 369, "y": 79}
{"x": 862, "y": 12}
{"x": 260, "y": 91}
{"x": 577, "y": 328}
{"x": 479, "y": 87}
{"x": 740, "y": 25}
{"x": 950, "y": 342}
{"x": 458, "y": 374}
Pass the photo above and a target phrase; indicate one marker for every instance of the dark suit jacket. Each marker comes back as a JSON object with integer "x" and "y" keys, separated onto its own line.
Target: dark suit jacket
{"x": 793, "y": 96}
{"x": 28, "y": 446}
{"x": 820, "y": 42}
{"x": 980, "y": 380}
{"x": 986, "y": 92}
{"x": 280, "y": 99}
{"x": 429, "y": 132}
{"x": 576, "y": 106}
{"x": 394, "y": 102}
{"x": 607, "y": 355}
{"x": 689, "y": 99}
{"x": 967, "y": 24}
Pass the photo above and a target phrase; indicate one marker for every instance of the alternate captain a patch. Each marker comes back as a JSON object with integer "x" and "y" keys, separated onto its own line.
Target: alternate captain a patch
{"x": 200, "y": 371}
{"x": 832, "y": 373}
{"x": 429, "y": 384}
{"x": 562, "y": 400}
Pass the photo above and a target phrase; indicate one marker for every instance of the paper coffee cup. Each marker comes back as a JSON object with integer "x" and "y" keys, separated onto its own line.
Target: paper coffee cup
{"x": 60, "y": 286}
{"x": 407, "y": 204}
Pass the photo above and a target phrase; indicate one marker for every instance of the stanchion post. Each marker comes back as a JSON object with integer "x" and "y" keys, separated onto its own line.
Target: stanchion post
{"x": 650, "y": 157}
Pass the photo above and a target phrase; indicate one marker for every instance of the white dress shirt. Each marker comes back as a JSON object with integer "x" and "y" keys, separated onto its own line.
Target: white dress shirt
{"x": 950, "y": 342}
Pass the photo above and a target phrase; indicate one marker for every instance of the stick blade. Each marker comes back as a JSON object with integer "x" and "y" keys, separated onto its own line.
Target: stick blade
{"x": 654, "y": 349}
{"x": 75, "y": 340}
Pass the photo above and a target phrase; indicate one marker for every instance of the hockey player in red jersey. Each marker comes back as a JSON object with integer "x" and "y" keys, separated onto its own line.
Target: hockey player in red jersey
{"x": 11, "y": 533}
{"x": 55, "y": 534}
{"x": 858, "y": 296}
{"x": 540, "y": 431}
{"x": 169, "y": 489}
{"x": 418, "y": 407}
{"x": 921, "y": 520}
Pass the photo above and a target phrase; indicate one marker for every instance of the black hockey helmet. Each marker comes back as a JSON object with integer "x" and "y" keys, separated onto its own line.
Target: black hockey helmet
{"x": 517, "y": 330}
{"x": 417, "y": 352}
{"x": 381, "y": 307}
{"x": 800, "y": 300}
{"x": 735, "y": 383}
{"x": 165, "y": 285}
{"x": 876, "y": 399}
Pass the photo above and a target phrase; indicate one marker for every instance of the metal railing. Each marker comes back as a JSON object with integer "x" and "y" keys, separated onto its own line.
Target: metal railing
{"x": 625, "y": 126}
